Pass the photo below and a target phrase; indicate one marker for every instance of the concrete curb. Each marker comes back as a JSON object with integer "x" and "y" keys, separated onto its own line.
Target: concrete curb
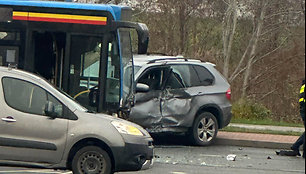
{"x": 255, "y": 140}
{"x": 268, "y": 127}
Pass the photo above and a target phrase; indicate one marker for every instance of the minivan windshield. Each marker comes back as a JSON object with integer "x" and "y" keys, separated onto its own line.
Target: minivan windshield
{"x": 73, "y": 102}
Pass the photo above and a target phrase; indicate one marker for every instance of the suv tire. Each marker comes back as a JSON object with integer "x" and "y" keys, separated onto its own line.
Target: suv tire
{"x": 91, "y": 160}
{"x": 204, "y": 129}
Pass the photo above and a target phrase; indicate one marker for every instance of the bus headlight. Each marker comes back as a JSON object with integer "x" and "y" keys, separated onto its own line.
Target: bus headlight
{"x": 124, "y": 128}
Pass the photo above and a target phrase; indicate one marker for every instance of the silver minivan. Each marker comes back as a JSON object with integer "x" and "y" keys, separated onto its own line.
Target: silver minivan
{"x": 40, "y": 125}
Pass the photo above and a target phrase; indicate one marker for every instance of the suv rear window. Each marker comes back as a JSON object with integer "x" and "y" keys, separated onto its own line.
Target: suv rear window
{"x": 205, "y": 77}
{"x": 186, "y": 75}
{"x": 189, "y": 76}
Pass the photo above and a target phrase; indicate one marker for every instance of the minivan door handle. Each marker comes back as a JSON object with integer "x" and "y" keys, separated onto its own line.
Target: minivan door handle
{"x": 8, "y": 119}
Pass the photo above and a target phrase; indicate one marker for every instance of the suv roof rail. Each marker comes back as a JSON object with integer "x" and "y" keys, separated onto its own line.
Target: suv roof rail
{"x": 170, "y": 58}
{"x": 157, "y": 53}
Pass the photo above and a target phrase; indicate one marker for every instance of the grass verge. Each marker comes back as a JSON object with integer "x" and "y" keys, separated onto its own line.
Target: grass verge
{"x": 237, "y": 129}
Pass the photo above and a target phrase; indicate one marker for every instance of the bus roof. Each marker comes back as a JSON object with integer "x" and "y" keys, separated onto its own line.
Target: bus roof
{"x": 115, "y": 10}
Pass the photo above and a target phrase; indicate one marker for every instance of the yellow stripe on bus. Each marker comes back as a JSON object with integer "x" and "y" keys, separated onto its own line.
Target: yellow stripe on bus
{"x": 18, "y": 13}
{"x": 59, "y": 16}
{"x": 64, "y": 16}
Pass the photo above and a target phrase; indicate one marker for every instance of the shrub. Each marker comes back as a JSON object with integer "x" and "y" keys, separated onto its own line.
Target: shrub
{"x": 248, "y": 109}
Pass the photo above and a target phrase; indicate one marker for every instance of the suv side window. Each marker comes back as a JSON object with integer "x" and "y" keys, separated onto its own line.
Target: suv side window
{"x": 205, "y": 77}
{"x": 176, "y": 77}
{"x": 183, "y": 76}
{"x": 154, "y": 78}
{"x": 27, "y": 97}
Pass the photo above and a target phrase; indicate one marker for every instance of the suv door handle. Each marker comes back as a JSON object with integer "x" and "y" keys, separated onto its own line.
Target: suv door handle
{"x": 8, "y": 119}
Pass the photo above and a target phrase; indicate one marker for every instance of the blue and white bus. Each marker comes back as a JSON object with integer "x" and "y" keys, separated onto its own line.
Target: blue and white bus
{"x": 84, "y": 49}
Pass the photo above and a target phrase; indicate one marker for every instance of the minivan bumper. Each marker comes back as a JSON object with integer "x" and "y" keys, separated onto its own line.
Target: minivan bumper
{"x": 136, "y": 152}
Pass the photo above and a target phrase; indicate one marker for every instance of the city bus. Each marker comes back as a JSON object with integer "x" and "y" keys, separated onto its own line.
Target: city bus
{"x": 83, "y": 49}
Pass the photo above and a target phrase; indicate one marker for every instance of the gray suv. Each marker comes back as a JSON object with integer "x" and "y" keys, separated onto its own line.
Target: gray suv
{"x": 180, "y": 95}
{"x": 42, "y": 125}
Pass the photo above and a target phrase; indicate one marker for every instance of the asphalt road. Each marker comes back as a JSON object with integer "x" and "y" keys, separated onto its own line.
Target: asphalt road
{"x": 180, "y": 159}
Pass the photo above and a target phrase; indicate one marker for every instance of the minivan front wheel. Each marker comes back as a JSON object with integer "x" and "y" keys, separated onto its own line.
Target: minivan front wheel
{"x": 205, "y": 129}
{"x": 91, "y": 160}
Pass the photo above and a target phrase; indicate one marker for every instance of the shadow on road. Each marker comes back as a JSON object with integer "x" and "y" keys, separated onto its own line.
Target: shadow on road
{"x": 170, "y": 139}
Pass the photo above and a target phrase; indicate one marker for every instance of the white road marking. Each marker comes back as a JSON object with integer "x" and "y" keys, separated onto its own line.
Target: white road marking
{"x": 31, "y": 171}
{"x": 207, "y": 155}
{"x": 178, "y": 173}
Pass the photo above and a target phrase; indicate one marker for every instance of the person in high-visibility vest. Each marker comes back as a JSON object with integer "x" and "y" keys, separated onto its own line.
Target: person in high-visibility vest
{"x": 301, "y": 141}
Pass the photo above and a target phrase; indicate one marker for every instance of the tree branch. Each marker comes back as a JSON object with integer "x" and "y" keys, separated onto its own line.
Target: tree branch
{"x": 267, "y": 94}
{"x": 265, "y": 55}
{"x": 269, "y": 31}
{"x": 283, "y": 13}
{"x": 144, "y": 9}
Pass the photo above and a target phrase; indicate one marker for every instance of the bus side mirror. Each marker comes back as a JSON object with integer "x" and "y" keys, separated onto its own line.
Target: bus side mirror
{"x": 140, "y": 87}
{"x": 143, "y": 38}
{"x": 142, "y": 32}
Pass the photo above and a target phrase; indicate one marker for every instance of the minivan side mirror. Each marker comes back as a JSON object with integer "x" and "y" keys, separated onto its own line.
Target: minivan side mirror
{"x": 50, "y": 110}
{"x": 141, "y": 87}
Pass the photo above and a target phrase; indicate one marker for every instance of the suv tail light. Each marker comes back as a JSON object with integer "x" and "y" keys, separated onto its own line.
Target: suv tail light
{"x": 228, "y": 94}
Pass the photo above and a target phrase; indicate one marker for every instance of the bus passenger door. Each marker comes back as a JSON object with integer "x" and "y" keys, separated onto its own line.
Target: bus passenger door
{"x": 94, "y": 73}
{"x": 127, "y": 97}
{"x": 84, "y": 67}
{"x": 49, "y": 48}
{"x": 112, "y": 89}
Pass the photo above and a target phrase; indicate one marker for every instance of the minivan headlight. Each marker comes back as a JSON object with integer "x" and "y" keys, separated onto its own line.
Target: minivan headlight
{"x": 126, "y": 129}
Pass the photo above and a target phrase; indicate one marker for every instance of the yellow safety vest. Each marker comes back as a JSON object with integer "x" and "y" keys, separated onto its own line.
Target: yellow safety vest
{"x": 302, "y": 91}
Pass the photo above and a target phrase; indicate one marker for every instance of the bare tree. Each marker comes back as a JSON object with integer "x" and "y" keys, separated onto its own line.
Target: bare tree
{"x": 254, "y": 41}
{"x": 269, "y": 17}
{"x": 229, "y": 28}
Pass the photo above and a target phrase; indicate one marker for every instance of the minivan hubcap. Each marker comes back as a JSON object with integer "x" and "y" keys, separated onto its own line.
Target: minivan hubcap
{"x": 206, "y": 129}
{"x": 91, "y": 163}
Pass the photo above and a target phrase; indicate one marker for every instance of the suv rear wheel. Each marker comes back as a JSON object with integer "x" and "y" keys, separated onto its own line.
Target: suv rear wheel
{"x": 91, "y": 160}
{"x": 204, "y": 130}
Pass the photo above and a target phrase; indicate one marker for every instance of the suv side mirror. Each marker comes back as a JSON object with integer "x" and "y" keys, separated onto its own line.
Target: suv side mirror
{"x": 140, "y": 87}
{"x": 50, "y": 110}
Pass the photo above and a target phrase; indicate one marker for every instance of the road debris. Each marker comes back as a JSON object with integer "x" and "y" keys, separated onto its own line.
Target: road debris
{"x": 203, "y": 164}
{"x": 231, "y": 157}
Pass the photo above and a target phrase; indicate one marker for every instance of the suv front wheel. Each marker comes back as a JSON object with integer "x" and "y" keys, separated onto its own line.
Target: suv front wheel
{"x": 204, "y": 130}
{"x": 91, "y": 160}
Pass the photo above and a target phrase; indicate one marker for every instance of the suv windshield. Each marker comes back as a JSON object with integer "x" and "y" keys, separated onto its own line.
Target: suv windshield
{"x": 136, "y": 69}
